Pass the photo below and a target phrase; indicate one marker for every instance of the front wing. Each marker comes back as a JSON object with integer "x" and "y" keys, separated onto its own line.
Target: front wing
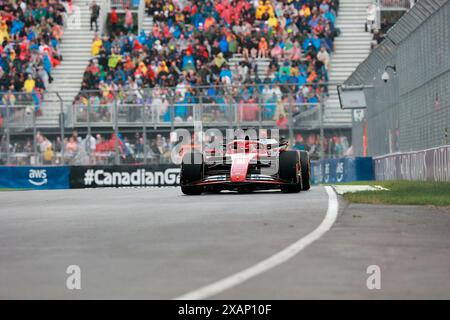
{"x": 252, "y": 181}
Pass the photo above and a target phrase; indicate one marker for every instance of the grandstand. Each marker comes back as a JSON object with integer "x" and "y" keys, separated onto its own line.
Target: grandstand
{"x": 76, "y": 50}
{"x": 351, "y": 48}
{"x": 226, "y": 63}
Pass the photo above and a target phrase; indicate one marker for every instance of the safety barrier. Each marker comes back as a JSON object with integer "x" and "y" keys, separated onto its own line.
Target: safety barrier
{"x": 124, "y": 176}
{"x": 342, "y": 170}
{"x": 65, "y": 177}
{"x": 75, "y": 177}
{"x": 34, "y": 177}
{"x": 425, "y": 165}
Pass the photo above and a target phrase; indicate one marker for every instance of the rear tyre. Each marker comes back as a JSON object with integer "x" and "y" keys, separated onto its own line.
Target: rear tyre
{"x": 191, "y": 171}
{"x": 290, "y": 171}
{"x": 305, "y": 167}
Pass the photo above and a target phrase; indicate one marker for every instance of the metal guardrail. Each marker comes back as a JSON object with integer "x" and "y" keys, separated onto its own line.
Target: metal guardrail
{"x": 141, "y": 117}
{"x": 168, "y": 108}
{"x": 182, "y": 114}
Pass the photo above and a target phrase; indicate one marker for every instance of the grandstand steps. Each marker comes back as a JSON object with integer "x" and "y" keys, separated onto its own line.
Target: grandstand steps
{"x": 351, "y": 48}
{"x": 351, "y": 40}
{"x": 147, "y": 24}
{"x": 76, "y": 41}
{"x": 76, "y": 51}
{"x": 74, "y": 57}
{"x": 349, "y": 24}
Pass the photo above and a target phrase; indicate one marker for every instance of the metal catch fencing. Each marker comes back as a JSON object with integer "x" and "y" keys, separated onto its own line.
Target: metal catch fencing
{"x": 106, "y": 118}
{"x": 408, "y": 110}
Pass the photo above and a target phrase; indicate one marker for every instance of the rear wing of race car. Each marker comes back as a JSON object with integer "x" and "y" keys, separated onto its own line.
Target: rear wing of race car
{"x": 273, "y": 143}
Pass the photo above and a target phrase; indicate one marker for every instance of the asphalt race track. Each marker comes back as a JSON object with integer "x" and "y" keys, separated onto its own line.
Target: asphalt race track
{"x": 158, "y": 244}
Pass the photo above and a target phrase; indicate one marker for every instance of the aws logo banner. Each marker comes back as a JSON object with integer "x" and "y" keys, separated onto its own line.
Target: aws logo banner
{"x": 38, "y": 177}
{"x": 34, "y": 177}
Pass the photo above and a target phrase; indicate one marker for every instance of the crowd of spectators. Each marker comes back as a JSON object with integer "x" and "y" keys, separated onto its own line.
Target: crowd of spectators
{"x": 191, "y": 44}
{"x": 100, "y": 148}
{"x": 335, "y": 145}
{"x": 30, "y": 34}
{"x": 96, "y": 149}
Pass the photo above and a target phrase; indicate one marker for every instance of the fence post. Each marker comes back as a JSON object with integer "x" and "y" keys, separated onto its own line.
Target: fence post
{"x": 62, "y": 126}
{"x": 8, "y": 137}
{"x": 89, "y": 108}
{"x": 322, "y": 135}
{"x": 34, "y": 137}
{"x": 172, "y": 111}
{"x": 89, "y": 132}
{"x": 200, "y": 110}
{"x": 116, "y": 132}
{"x": 261, "y": 105}
{"x": 144, "y": 126}
{"x": 237, "y": 113}
{"x": 291, "y": 118}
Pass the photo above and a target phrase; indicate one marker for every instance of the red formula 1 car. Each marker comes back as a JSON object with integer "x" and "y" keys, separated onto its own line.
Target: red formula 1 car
{"x": 245, "y": 166}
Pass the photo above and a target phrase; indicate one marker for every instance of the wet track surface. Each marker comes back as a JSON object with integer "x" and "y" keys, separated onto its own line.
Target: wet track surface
{"x": 159, "y": 244}
{"x": 143, "y": 243}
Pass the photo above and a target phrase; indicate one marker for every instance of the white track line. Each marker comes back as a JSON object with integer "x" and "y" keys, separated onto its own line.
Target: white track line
{"x": 273, "y": 261}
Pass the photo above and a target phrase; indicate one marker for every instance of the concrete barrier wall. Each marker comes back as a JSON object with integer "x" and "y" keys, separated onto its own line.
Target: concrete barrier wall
{"x": 426, "y": 165}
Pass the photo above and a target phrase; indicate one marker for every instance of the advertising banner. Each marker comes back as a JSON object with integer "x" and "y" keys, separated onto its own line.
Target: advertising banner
{"x": 342, "y": 170}
{"x": 34, "y": 177}
{"x": 426, "y": 165}
{"x": 124, "y": 176}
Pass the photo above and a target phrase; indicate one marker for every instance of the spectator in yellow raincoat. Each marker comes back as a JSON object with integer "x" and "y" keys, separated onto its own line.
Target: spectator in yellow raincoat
{"x": 305, "y": 11}
{"x": 96, "y": 46}
{"x": 4, "y": 34}
{"x": 264, "y": 9}
{"x": 163, "y": 67}
{"x": 272, "y": 22}
{"x": 29, "y": 84}
{"x": 142, "y": 68}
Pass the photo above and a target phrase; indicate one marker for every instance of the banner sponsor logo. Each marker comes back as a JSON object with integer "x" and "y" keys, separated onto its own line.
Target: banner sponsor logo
{"x": 426, "y": 165}
{"x": 124, "y": 176}
{"x": 48, "y": 177}
{"x": 342, "y": 170}
{"x": 37, "y": 177}
{"x": 140, "y": 177}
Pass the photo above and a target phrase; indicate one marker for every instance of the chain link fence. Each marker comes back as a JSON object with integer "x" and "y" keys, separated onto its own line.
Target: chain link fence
{"x": 135, "y": 126}
{"x": 408, "y": 107}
